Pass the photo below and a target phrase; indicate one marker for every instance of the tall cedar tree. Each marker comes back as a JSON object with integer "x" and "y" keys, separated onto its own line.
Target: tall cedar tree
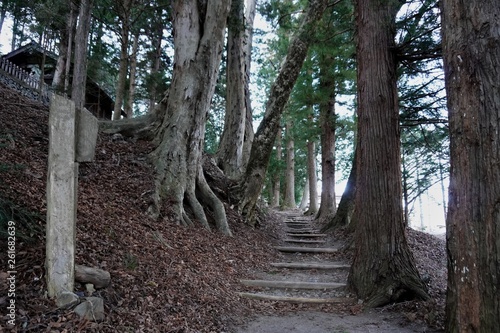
{"x": 255, "y": 173}
{"x": 80, "y": 63}
{"x": 230, "y": 153}
{"x": 289, "y": 199}
{"x": 471, "y": 48}
{"x": 124, "y": 10}
{"x": 383, "y": 269}
{"x": 199, "y": 28}
{"x": 328, "y": 204}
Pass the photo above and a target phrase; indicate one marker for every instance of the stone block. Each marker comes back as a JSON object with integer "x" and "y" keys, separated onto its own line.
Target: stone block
{"x": 91, "y": 309}
{"x": 67, "y": 299}
{"x": 87, "y": 127}
{"x": 98, "y": 277}
{"x": 61, "y": 197}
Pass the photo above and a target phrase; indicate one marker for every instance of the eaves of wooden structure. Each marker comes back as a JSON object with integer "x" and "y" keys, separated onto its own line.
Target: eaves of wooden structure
{"x": 30, "y": 57}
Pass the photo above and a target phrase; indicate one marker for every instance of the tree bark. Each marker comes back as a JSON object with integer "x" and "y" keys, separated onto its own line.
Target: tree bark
{"x": 129, "y": 106}
{"x": 345, "y": 210}
{"x": 305, "y": 196}
{"x": 156, "y": 39}
{"x": 3, "y": 12}
{"x": 275, "y": 201}
{"x": 64, "y": 43}
{"x": 123, "y": 70}
{"x": 313, "y": 178}
{"x": 289, "y": 200}
{"x": 328, "y": 204}
{"x": 471, "y": 49}
{"x": 230, "y": 154}
{"x": 253, "y": 181}
{"x": 79, "y": 80}
{"x": 198, "y": 36}
{"x": 383, "y": 269}
{"x": 72, "y": 33}
{"x": 247, "y": 49}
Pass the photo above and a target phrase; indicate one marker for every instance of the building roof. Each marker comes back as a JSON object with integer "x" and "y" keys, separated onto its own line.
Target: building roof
{"x": 98, "y": 100}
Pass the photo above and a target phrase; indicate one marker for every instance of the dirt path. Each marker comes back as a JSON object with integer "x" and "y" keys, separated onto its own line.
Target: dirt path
{"x": 318, "y": 322}
{"x": 311, "y": 272}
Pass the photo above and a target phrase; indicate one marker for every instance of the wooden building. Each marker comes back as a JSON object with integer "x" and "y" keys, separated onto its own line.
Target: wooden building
{"x": 30, "y": 58}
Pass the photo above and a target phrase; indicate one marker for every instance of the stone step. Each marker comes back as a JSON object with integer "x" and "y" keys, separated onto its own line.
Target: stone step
{"x": 306, "y": 249}
{"x": 301, "y": 230}
{"x": 265, "y": 297}
{"x": 292, "y": 284}
{"x": 304, "y": 241}
{"x": 299, "y": 226}
{"x": 293, "y": 234}
{"x": 305, "y": 265}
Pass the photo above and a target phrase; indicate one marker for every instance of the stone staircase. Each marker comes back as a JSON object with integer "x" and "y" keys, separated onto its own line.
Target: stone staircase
{"x": 307, "y": 274}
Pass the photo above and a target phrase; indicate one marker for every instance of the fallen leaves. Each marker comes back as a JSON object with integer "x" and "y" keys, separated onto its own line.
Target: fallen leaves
{"x": 165, "y": 278}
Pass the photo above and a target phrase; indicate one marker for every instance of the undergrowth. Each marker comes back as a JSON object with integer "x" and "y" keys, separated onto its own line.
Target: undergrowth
{"x": 29, "y": 225}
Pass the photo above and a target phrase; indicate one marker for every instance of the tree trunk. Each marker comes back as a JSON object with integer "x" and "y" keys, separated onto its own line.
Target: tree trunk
{"x": 129, "y": 106}
{"x": 406, "y": 203}
{"x": 15, "y": 28}
{"x": 443, "y": 190}
{"x": 289, "y": 200}
{"x": 312, "y": 178}
{"x": 383, "y": 269}
{"x": 345, "y": 210}
{"x": 80, "y": 64}
{"x": 71, "y": 37}
{"x": 66, "y": 34}
{"x": 253, "y": 181}
{"x": 58, "y": 80}
{"x": 123, "y": 70}
{"x": 43, "y": 42}
{"x": 247, "y": 49}
{"x": 230, "y": 154}
{"x": 180, "y": 184}
{"x": 471, "y": 49}
{"x": 305, "y": 196}
{"x": 275, "y": 202}
{"x": 156, "y": 38}
{"x": 3, "y": 12}
{"x": 328, "y": 205}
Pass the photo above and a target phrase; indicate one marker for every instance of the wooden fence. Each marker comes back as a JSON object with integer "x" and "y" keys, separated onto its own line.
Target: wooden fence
{"x": 28, "y": 79}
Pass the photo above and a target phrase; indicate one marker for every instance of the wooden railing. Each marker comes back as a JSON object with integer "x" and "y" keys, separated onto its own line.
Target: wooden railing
{"x": 20, "y": 74}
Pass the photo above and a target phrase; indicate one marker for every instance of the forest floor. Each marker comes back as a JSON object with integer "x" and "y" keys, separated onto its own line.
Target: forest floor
{"x": 165, "y": 278}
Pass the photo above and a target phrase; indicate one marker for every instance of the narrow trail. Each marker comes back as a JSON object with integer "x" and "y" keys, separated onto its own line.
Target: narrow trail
{"x": 310, "y": 272}
{"x": 307, "y": 274}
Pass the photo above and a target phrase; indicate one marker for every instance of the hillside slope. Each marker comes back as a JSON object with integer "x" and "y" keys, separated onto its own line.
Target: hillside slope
{"x": 165, "y": 278}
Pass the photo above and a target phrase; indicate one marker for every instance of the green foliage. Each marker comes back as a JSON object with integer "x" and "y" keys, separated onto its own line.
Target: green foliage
{"x": 345, "y": 135}
{"x": 425, "y": 158}
{"x": 29, "y": 225}
{"x": 330, "y": 58}
{"x": 424, "y": 129}
{"x": 130, "y": 261}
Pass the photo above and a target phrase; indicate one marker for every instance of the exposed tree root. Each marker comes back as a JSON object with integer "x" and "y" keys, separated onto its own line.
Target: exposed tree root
{"x": 395, "y": 292}
{"x": 197, "y": 209}
{"x": 144, "y": 127}
{"x": 210, "y": 199}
